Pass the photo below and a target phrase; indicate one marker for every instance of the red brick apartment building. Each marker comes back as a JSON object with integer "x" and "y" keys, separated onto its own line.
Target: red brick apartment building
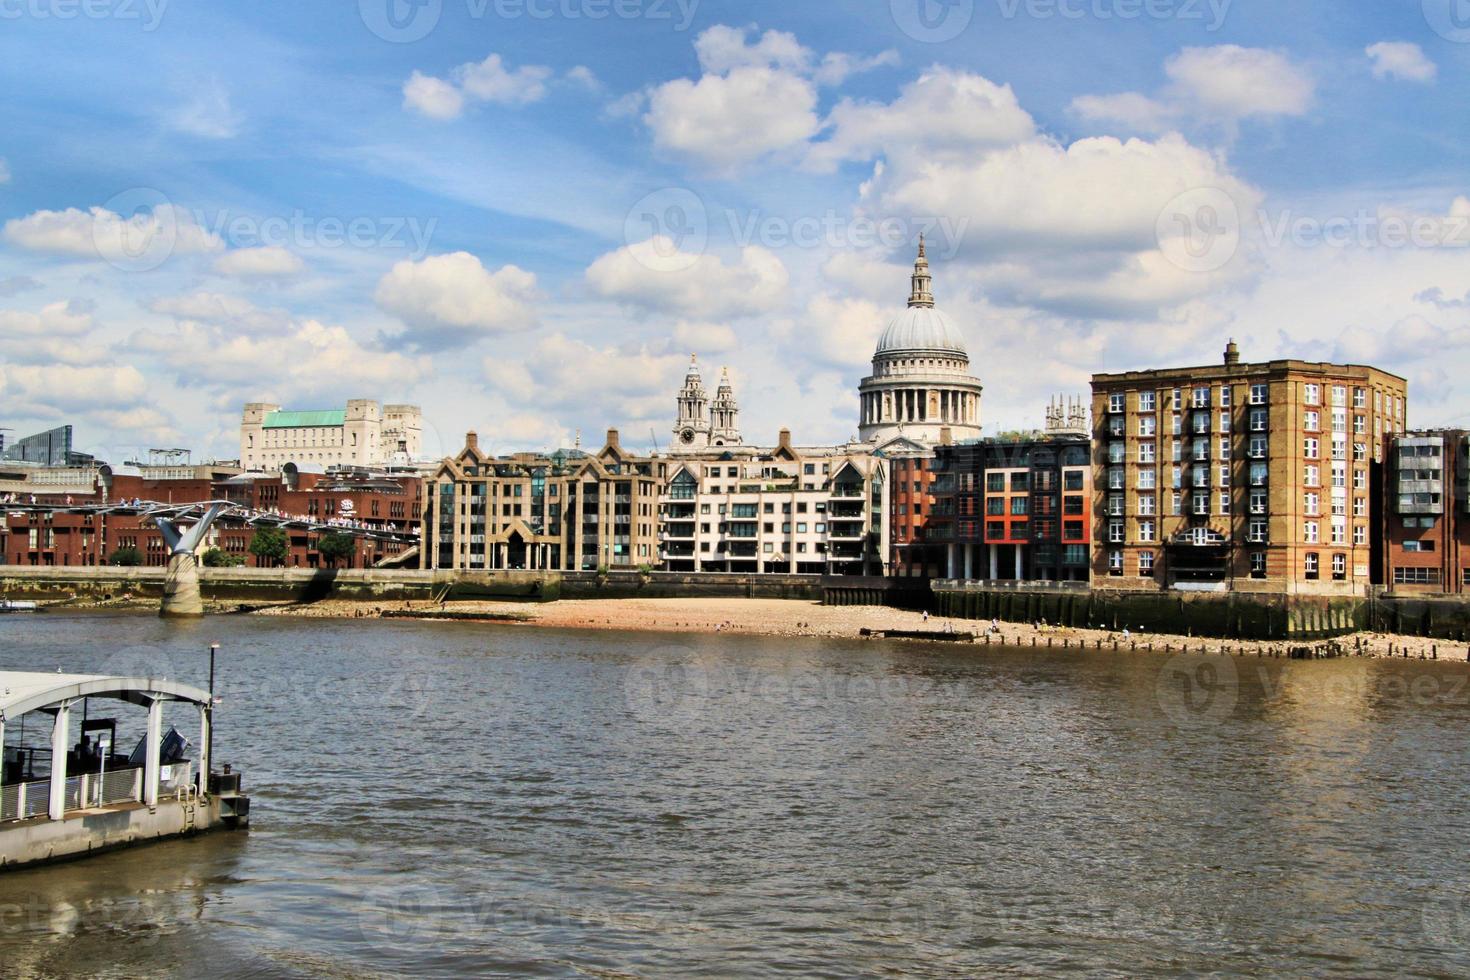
{"x": 1426, "y": 526}
{"x": 69, "y": 535}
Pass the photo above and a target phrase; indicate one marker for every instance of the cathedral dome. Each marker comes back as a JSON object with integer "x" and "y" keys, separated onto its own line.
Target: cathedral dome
{"x": 922, "y": 328}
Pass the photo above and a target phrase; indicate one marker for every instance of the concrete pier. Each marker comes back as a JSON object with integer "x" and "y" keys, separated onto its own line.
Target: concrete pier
{"x": 181, "y": 595}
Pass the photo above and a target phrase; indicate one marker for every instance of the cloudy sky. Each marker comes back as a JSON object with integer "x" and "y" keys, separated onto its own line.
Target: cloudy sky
{"x": 525, "y": 214}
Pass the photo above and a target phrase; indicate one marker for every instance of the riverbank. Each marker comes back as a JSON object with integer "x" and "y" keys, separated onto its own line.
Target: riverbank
{"x": 791, "y": 617}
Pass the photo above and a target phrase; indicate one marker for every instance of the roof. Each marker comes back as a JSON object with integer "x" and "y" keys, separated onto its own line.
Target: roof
{"x": 305, "y": 420}
{"x": 921, "y": 329}
{"x": 23, "y": 691}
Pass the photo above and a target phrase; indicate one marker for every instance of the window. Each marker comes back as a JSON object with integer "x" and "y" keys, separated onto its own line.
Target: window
{"x": 1258, "y": 420}
{"x": 1225, "y": 396}
{"x": 1145, "y": 563}
{"x": 1224, "y": 476}
{"x": 1115, "y": 478}
{"x": 1146, "y": 504}
{"x": 1115, "y": 562}
{"x": 1415, "y": 576}
{"x": 1115, "y": 532}
{"x": 1225, "y": 420}
{"x": 1018, "y": 505}
{"x": 1145, "y": 401}
{"x": 1020, "y": 481}
{"x": 1258, "y": 474}
{"x": 1115, "y": 402}
{"x": 1178, "y": 424}
{"x": 1201, "y": 398}
{"x": 1147, "y": 425}
{"x": 1312, "y": 394}
{"x": 1313, "y": 565}
{"x": 1360, "y": 398}
{"x": 1224, "y": 503}
{"x": 1146, "y": 479}
{"x": 1311, "y": 532}
{"x": 1224, "y": 448}
{"x": 1360, "y": 425}
{"x": 1311, "y": 503}
{"x": 1258, "y": 502}
{"x": 1360, "y": 534}
{"x": 1176, "y": 503}
{"x": 1310, "y": 448}
{"x": 1146, "y": 530}
{"x": 1258, "y": 394}
{"x": 1312, "y": 476}
{"x": 1339, "y": 395}
{"x": 1418, "y": 545}
{"x": 1360, "y": 452}
{"x": 1146, "y": 452}
{"x": 1256, "y": 532}
{"x": 1258, "y": 564}
{"x": 1312, "y": 422}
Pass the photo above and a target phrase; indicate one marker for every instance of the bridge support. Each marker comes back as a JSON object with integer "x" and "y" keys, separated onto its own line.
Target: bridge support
{"x": 181, "y": 595}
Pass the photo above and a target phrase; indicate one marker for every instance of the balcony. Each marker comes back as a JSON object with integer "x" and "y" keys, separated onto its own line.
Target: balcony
{"x": 846, "y": 531}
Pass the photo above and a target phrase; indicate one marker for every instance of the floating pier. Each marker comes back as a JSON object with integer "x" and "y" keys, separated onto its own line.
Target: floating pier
{"x": 62, "y": 801}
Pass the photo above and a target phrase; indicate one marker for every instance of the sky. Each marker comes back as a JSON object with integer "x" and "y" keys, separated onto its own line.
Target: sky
{"x": 525, "y": 215}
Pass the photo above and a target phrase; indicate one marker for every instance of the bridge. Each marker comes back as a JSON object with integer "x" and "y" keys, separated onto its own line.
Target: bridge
{"x": 229, "y": 511}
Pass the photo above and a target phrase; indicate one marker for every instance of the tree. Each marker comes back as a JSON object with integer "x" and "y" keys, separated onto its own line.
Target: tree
{"x": 217, "y": 558}
{"x": 268, "y": 545}
{"x": 334, "y": 547}
{"x": 127, "y": 555}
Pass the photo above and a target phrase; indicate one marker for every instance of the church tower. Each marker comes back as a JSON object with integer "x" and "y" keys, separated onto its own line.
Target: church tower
{"x": 725, "y": 416}
{"x": 692, "y": 428}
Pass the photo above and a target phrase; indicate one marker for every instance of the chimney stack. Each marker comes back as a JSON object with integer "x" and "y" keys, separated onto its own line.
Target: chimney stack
{"x": 612, "y": 439}
{"x": 471, "y": 440}
{"x": 784, "y": 440}
{"x": 1232, "y": 353}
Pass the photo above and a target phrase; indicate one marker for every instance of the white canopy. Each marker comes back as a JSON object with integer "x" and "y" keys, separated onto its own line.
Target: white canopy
{"x": 23, "y": 691}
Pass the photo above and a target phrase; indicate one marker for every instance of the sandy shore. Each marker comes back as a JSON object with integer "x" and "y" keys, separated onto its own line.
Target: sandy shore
{"x": 786, "y": 617}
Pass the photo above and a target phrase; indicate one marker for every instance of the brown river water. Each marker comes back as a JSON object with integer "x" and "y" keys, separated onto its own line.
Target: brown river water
{"x": 458, "y": 799}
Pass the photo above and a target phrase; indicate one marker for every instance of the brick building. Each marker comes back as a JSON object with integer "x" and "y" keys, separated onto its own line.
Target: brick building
{"x": 1253, "y": 477}
{"x": 1426, "y": 527}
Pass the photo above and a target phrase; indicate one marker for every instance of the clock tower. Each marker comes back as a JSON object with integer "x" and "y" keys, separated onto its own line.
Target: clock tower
{"x": 692, "y": 429}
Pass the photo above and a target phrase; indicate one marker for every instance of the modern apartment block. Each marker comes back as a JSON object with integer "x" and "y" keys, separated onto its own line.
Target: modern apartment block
{"x": 1426, "y": 527}
{"x": 1015, "y": 509}
{"x": 569, "y": 511}
{"x": 1252, "y": 477}
{"x": 363, "y": 434}
{"x": 788, "y": 509}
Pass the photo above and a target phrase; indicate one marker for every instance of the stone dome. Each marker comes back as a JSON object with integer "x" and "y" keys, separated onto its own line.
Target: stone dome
{"x": 922, "y": 329}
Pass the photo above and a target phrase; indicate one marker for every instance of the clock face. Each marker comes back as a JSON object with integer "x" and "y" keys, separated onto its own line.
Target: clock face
{"x": 687, "y": 435}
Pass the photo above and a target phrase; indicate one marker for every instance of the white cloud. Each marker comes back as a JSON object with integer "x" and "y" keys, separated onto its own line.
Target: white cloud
{"x": 704, "y": 338}
{"x": 46, "y": 390}
{"x": 309, "y": 356}
{"x": 1220, "y": 85}
{"x": 1402, "y": 60}
{"x": 447, "y": 299}
{"x": 838, "y": 331}
{"x": 655, "y": 275}
{"x": 483, "y": 81}
{"x": 100, "y": 233}
{"x": 207, "y": 113}
{"x": 264, "y": 262}
{"x": 432, "y": 97}
{"x": 754, "y": 99}
{"x": 60, "y": 319}
{"x": 1241, "y": 82}
{"x": 634, "y": 382}
{"x": 727, "y": 121}
{"x": 942, "y": 111}
{"x": 219, "y": 308}
{"x": 584, "y": 77}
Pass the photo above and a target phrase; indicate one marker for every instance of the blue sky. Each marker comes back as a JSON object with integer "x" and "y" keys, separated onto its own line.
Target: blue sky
{"x": 526, "y": 218}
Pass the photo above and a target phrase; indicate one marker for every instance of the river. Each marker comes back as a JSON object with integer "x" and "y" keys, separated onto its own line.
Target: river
{"x": 452, "y": 799}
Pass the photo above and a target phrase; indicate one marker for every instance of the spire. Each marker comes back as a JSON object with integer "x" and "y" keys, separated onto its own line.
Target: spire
{"x": 922, "y": 294}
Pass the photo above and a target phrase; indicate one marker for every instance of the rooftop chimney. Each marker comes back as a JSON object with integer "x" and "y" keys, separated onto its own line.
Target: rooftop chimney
{"x": 784, "y": 440}
{"x": 471, "y": 440}
{"x": 1232, "y": 353}
{"x": 612, "y": 438}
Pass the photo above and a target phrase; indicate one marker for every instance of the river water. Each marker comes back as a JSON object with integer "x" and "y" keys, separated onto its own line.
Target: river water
{"x": 452, "y": 799}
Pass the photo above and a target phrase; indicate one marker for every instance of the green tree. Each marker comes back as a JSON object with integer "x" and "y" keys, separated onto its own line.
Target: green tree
{"x": 268, "y": 545}
{"x": 334, "y": 547}
{"x": 218, "y": 558}
{"x": 127, "y": 555}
